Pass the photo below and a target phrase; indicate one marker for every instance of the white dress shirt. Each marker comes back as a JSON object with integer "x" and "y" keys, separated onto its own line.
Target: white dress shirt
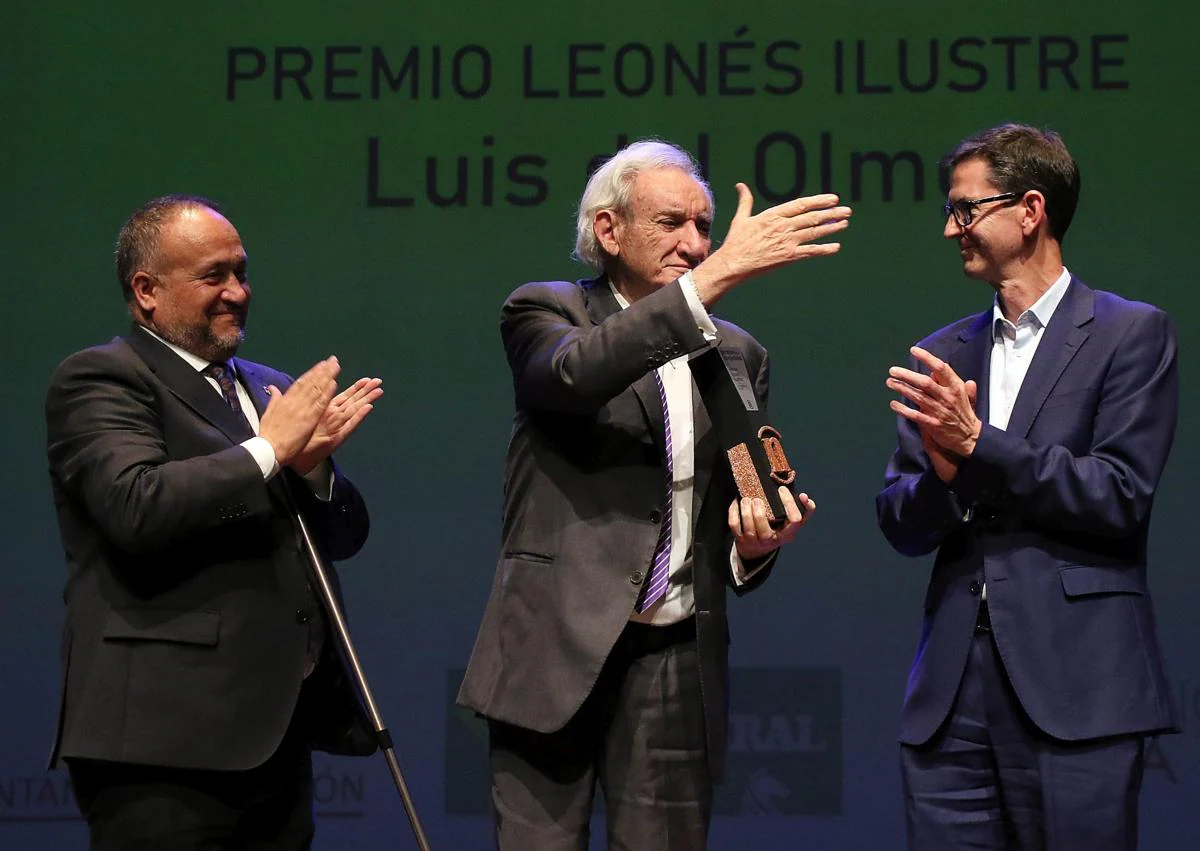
{"x": 679, "y": 602}
{"x": 1013, "y": 347}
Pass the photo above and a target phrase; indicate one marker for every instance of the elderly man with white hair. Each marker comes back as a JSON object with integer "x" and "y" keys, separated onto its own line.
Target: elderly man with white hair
{"x": 602, "y": 657}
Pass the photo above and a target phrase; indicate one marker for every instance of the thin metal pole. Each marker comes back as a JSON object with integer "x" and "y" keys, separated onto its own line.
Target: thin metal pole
{"x": 334, "y": 610}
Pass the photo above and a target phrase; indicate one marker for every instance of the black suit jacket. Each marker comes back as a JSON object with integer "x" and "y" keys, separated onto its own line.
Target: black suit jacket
{"x": 583, "y": 498}
{"x": 187, "y": 602}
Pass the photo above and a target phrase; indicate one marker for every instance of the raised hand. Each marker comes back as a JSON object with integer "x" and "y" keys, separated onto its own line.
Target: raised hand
{"x": 945, "y": 404}
{"x": 290, "y": 418}
{"x": 945, "y": 463}
{"x": 777, "y": 236}
{"x": 342, "y": 416}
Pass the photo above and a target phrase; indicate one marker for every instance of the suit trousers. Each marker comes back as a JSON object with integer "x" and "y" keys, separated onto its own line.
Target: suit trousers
{"x": 990, "y": 779}
{"x": 132, "y": 807}
{"x": 640, "y": 735}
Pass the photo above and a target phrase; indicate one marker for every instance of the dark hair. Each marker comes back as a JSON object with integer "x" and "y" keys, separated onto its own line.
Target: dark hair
{"x": 1021, "y": 158}
{"x": 137, "y": 243}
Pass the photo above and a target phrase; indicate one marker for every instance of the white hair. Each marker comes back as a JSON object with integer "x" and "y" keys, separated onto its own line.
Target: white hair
{"x": 610, "y": 186}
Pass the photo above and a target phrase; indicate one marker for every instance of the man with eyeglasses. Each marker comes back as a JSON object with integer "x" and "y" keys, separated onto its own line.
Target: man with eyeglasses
{"x": 1031, "y": 440}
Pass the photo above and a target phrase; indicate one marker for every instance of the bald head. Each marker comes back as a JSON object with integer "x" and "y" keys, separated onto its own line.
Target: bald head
{"x": 139, "y": 241}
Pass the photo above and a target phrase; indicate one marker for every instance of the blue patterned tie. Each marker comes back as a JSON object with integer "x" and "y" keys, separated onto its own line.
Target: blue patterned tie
{"x": 656, "y": 582}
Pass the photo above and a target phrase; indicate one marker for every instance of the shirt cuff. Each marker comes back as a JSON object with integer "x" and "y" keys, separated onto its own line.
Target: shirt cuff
{"x": 737, "y": 568}
{"x": 264, "y": 455}
{"x": 703, "y": 320}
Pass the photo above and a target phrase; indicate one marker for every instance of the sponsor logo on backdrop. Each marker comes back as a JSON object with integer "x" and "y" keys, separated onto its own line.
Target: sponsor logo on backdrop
{"x": 46, "y": 796}
{"x": 785, "y": 746}
{"x": 785, "y": 743}
{"x": 37, "y": 796}
{"x": 339, "y": 787}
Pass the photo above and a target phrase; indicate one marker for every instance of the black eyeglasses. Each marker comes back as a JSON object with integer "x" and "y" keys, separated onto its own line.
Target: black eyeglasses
{"x": 964, "y": 210}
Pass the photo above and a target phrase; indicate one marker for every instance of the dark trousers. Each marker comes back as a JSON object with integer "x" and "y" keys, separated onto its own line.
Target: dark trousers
{"x": 639, "y": 735}
{"x": 152, "y": 808}
{"x": 990, "y": 779}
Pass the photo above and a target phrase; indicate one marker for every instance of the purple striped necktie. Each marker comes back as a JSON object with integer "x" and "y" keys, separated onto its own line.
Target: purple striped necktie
{"x": 656, "y": 582}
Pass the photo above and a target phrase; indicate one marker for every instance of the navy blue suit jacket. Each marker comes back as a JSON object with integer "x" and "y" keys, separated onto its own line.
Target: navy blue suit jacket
{"x": 1053, "y": 514}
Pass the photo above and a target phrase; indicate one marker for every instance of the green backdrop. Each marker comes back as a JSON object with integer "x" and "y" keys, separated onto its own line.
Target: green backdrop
{"x": 396, "y": 169}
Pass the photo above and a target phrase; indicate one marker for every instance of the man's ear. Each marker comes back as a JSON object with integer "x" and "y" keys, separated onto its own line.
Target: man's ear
{"x": 1033, "y": 207}
{"x": 145, "y": 291}
{"x": 607, "y": 228}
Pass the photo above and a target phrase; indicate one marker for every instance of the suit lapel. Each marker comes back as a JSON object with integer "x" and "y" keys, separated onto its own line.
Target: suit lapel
{"x": 1061, "y": 341}
{"x": 601, "y": 304}
{"x": 706, "y": 447}
{"x": 255, "y": 384}
{"x": 187, "y": 385}
{"x": 973, "y": 359}
{"x": 646, "y": 390}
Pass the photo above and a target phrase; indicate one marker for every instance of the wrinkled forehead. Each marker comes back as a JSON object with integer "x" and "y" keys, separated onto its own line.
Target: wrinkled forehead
{"x": 670, "y": 189}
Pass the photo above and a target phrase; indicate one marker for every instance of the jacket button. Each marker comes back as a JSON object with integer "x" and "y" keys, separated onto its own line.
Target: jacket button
{"x": 656, "y": 516}
{"x": 636, "y": 577}
{"x": 302, "y": 616}
{"x": 973, "y": 588}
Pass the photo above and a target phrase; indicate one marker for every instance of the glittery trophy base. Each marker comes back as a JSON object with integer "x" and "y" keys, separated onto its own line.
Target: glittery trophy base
{"x": 745, "y": 476}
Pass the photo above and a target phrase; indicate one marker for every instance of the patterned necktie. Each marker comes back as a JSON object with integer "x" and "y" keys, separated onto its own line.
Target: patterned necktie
{"x": 656, "y": 582}
{"x": 220, "y": 372}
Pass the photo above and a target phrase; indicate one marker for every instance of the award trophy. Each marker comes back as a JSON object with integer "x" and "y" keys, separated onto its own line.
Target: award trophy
{"x": 752, "y": 445}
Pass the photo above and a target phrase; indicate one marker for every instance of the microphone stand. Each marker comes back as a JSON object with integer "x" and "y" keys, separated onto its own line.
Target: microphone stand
{"x": 338, "y": 620}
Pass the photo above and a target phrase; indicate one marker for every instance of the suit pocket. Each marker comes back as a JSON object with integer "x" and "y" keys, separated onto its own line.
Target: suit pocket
{"x": 514, "y": 561}
{"x": 529, "y": 555}
{"x": 179, "y": 626}
{"x": 1080, "y": 580}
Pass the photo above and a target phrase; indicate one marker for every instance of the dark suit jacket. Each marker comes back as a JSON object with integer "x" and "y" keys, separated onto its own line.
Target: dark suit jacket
{"x": 187, "y": 601}
{"x": 1059, "y": 510}
{"x": 583, "y": 501}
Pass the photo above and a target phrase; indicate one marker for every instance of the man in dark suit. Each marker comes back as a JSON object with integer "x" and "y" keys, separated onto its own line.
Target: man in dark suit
{"x": 602, "y": 656}
{"x": 1031, "y": 441}
{"x": 196, "y": 671}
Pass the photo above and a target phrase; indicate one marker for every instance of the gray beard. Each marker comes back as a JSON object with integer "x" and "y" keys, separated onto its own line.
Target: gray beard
{"x": 202, "y": 342}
